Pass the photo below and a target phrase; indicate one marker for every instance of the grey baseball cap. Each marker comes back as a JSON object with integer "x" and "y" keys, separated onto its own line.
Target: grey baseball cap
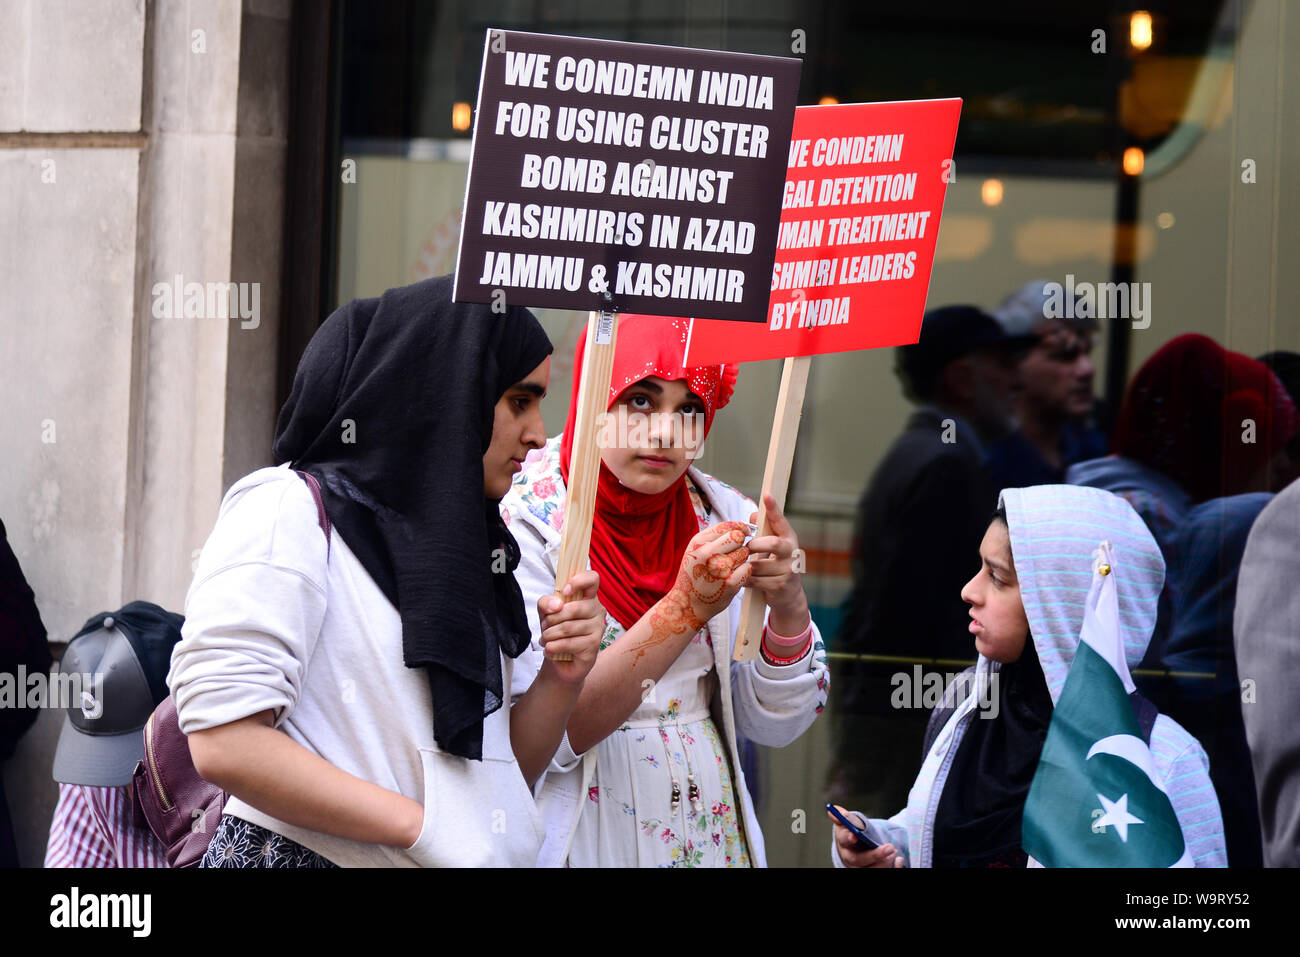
{"x": 1025, "y": 310}
{"x": 112, "y": 676}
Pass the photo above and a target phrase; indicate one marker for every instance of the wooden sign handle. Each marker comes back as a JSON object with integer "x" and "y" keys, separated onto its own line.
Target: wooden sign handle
{"x": 776, "y": 480}
{"x": 584, "y": 466}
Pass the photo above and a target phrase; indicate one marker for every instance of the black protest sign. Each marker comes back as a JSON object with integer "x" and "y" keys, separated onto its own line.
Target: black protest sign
{"x": 625, "y": 177}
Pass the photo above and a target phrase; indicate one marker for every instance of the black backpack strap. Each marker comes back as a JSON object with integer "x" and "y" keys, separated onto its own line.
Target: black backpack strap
{"x": 1146, "y": 714}
{"x": 944, "y": 710}
{"x": 321, "y": 515}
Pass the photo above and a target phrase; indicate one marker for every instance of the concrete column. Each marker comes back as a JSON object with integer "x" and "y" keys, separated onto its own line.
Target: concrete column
{"x": 139, "y": 141}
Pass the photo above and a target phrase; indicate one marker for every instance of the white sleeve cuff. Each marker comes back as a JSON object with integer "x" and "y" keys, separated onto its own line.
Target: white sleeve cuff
{"x": 566, "y": 759}
{"x": 794, "y": 669}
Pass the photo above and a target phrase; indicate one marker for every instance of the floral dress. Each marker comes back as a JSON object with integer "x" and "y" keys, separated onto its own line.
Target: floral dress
{"x": 240, "y": 843}
{"x": 670, "y": 745}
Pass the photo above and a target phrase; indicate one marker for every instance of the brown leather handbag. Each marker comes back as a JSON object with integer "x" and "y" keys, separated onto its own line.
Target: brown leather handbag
{"x": 182, "y": 809}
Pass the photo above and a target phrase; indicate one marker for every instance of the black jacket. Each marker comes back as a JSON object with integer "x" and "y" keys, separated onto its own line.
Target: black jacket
{"x": 22, "y": 643}
{"x": 919, "y": 527}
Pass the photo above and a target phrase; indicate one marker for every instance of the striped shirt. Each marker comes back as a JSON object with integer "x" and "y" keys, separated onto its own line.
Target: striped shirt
{"x": 95, "y": 827}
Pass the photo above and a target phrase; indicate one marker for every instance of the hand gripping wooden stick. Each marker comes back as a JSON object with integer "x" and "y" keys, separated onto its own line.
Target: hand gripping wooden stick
{"x": 584, "y": 467}
{"x": 776, "y": 480}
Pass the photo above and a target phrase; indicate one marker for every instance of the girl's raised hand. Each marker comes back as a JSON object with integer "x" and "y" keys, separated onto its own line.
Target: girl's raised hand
{"x": 572, "y": 623}
{"x": 774, "y": 574}
{"x": 713, "y": 569}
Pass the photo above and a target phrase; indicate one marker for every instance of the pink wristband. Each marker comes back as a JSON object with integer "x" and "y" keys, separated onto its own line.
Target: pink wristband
{"x": 798, "y": 640}
{"x": 802, "y": 642}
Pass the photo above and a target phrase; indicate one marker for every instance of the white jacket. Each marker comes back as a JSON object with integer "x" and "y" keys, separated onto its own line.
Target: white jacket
{"x": 768, "y": 705}
{"x": 276, "y": 620}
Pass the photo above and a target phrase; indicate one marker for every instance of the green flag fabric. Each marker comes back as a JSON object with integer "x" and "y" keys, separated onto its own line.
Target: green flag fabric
{"x": 1097, "y": 799}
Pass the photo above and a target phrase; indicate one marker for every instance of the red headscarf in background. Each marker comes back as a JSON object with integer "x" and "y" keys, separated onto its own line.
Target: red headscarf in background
{"x": 1183, "y": 412}
{"x": 637, "y": 540}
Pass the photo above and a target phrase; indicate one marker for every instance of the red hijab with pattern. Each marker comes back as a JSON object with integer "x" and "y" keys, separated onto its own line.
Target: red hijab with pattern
{"x": 637, "y": 540}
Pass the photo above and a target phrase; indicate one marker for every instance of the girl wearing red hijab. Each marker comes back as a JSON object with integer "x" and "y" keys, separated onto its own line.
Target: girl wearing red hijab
{"x": 648, "y": 772}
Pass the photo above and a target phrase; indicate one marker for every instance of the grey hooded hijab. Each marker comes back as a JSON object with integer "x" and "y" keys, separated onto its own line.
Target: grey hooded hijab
{"x": 1054, "y": 530}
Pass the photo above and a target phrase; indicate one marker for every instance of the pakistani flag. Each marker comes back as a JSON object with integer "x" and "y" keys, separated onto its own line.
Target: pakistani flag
{"x": 1097, "y": 799}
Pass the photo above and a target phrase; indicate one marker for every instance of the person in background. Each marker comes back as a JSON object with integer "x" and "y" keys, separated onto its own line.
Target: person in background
{"x": 1202, "y": 439}
{"x": 966, "y": 807}
{"x": 95, "y": 822}
{"x": 1197, "y": 422}
{"x": 22, "y": 645}
{"x": 920, "y": 519}
{"x": 1203, "y": 556}
{"x": 1266, "y": 635}
{"x": 1055, "y": 424}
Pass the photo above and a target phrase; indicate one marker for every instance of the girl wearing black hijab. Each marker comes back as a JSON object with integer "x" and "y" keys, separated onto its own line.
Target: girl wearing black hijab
{"x": 345, "y": 675}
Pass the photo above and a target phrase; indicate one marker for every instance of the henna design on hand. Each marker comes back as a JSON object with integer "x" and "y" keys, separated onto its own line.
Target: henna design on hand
{"x": 690, "y": 603}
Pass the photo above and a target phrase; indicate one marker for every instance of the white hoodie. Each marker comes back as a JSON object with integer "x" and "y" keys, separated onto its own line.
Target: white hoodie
{"x": 275, "y": 620}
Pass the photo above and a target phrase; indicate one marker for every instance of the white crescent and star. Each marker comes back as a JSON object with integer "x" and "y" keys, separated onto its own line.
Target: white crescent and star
{"x": 1117, "y": 815}
{"x": 1133, "y": 750}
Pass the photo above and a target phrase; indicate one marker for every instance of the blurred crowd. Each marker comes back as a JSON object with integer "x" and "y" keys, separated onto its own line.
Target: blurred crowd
{"x": 1205, "y": 447}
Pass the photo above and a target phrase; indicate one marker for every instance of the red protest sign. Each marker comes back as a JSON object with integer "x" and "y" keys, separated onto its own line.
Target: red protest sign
{"x": 859, "y": 220}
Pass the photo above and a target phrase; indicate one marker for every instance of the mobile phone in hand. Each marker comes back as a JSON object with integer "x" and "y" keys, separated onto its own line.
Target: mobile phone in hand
{"x": 864, "y": 843}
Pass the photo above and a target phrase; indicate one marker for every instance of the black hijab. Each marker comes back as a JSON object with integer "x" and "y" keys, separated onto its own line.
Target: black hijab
{"x": 977, "y": 823}
{"x": 392, "y": 409}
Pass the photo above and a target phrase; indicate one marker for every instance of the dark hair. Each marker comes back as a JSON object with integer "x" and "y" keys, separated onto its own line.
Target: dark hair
{"x": 918, "y": 374}
{"x": 1286, "y": 366}
{"x": 1001, "y": 516}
